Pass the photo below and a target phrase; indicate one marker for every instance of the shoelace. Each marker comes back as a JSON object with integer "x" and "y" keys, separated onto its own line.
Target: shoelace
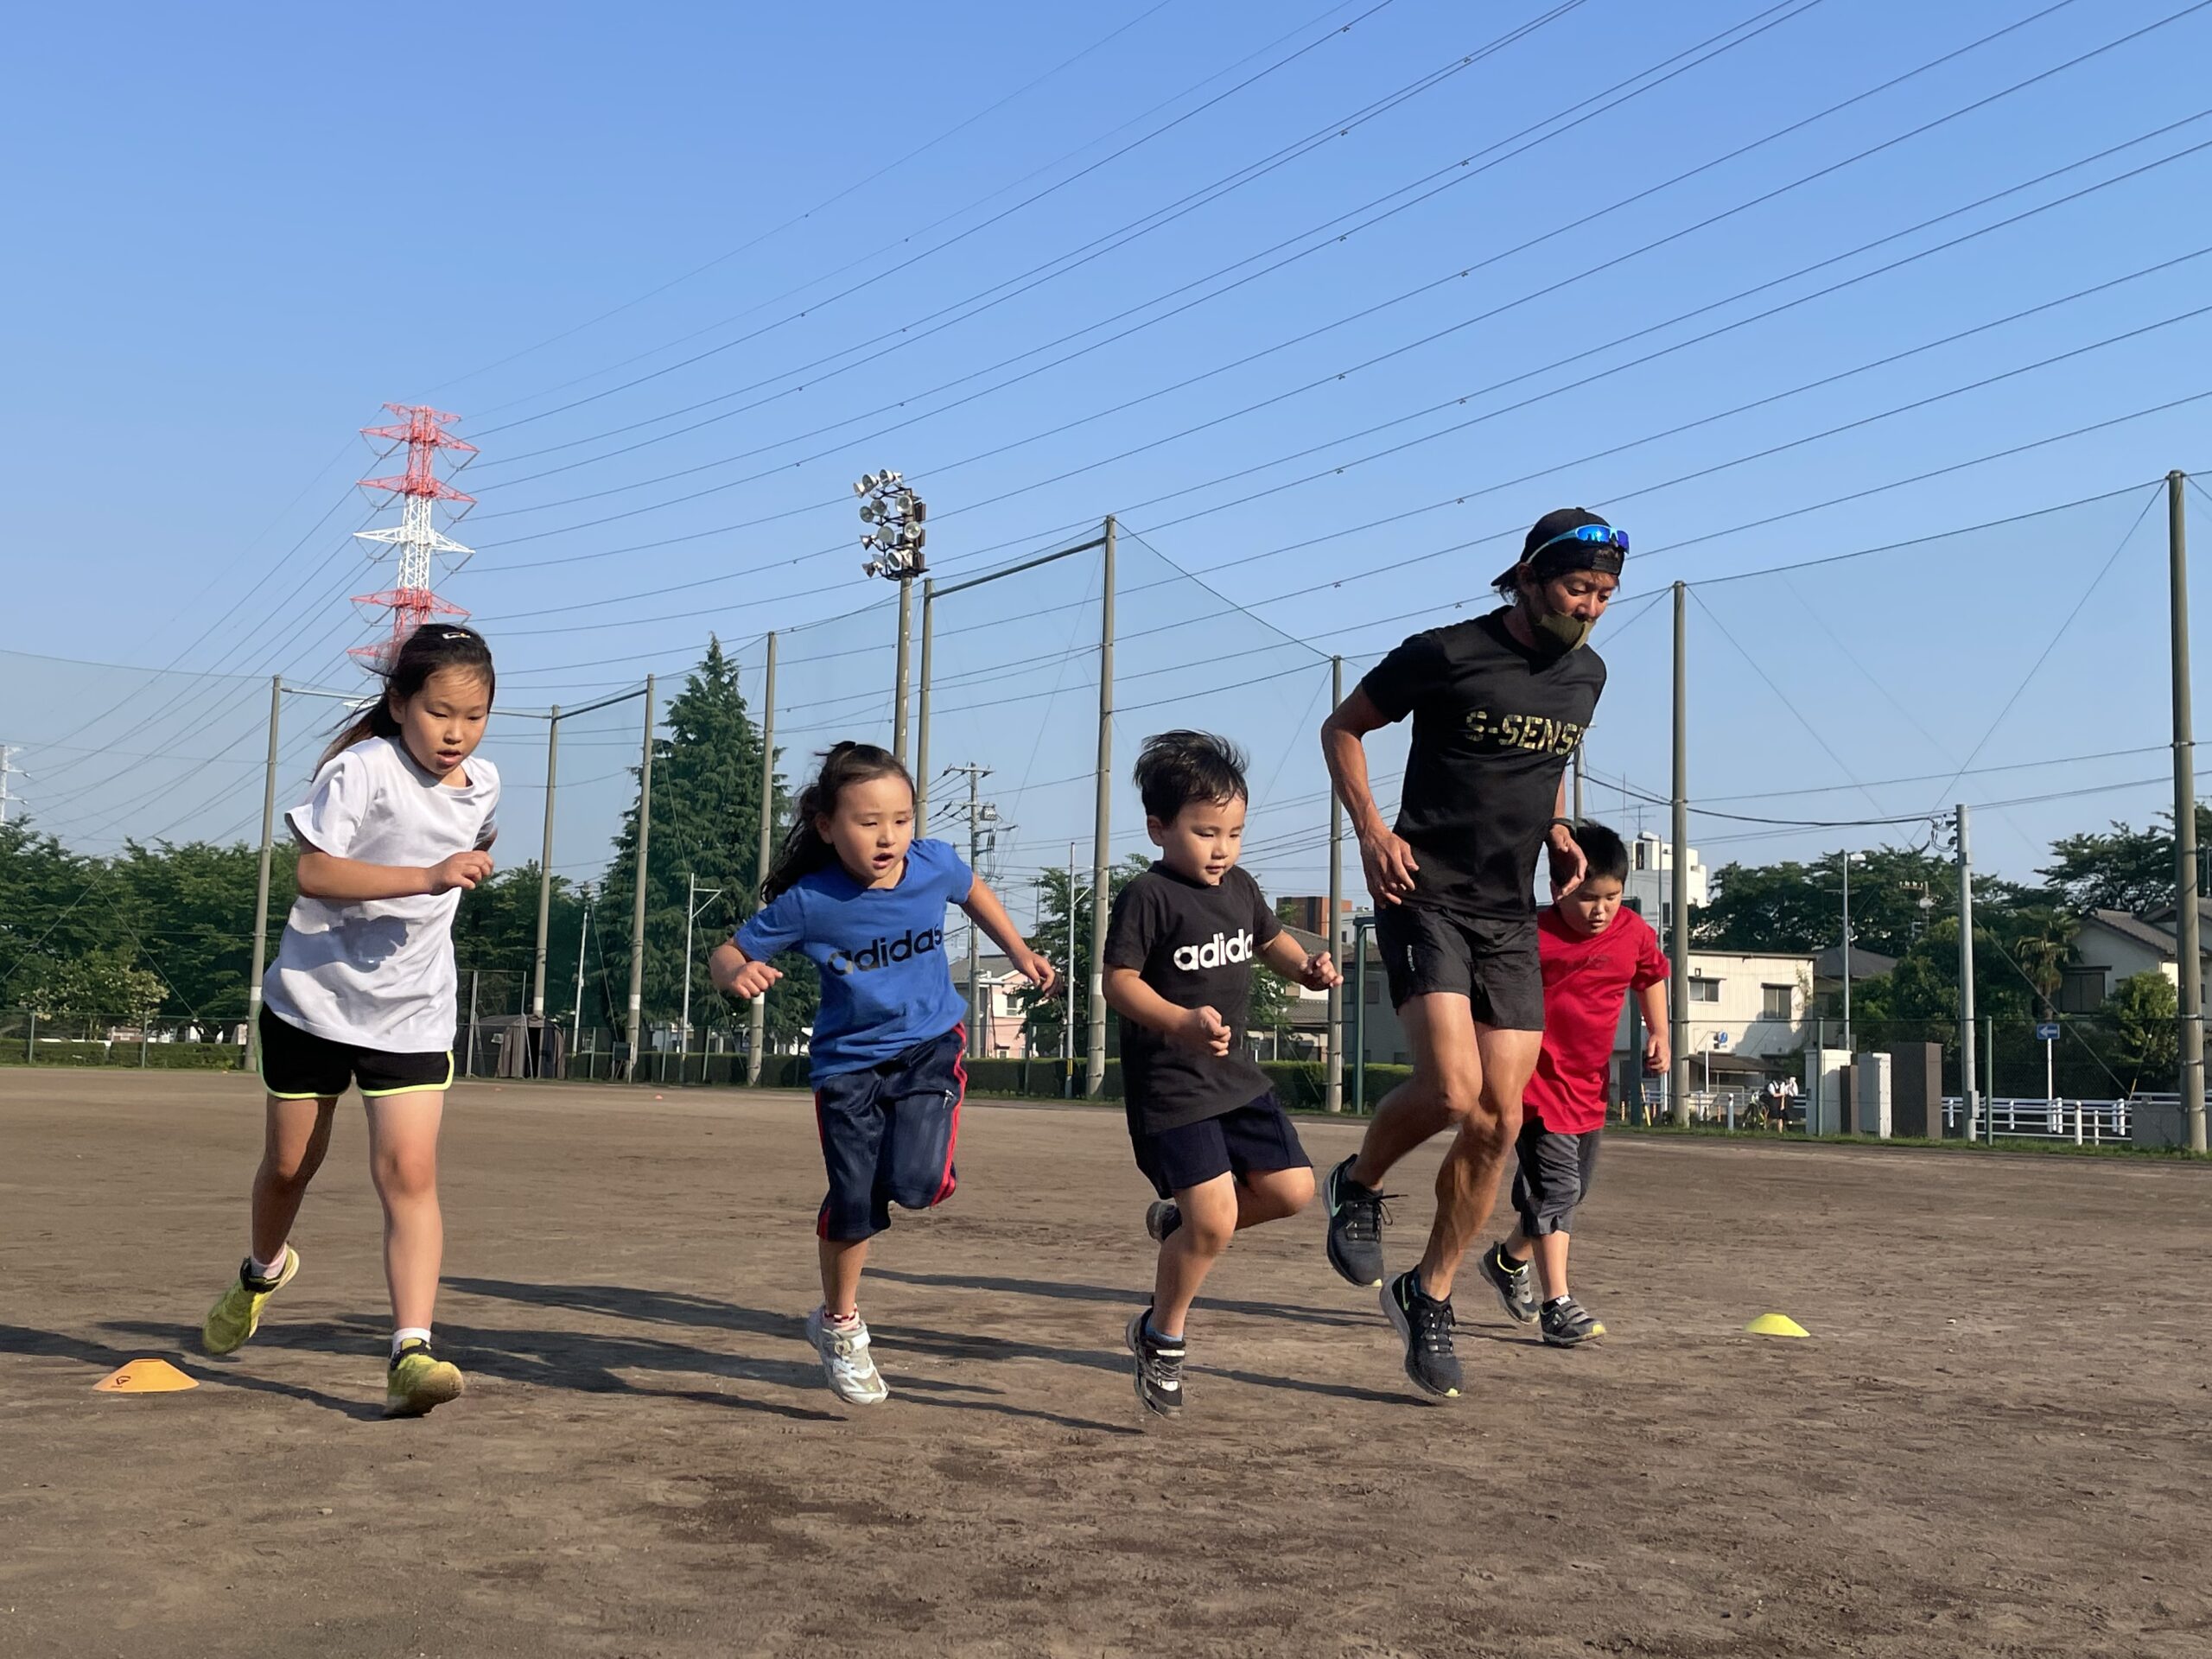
{"x": 1366, "y": 1218}
{"x": 1431, "y": 1323}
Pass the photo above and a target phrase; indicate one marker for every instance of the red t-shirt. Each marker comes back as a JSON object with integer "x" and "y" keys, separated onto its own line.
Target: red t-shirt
{"x": 1585, "y": 981}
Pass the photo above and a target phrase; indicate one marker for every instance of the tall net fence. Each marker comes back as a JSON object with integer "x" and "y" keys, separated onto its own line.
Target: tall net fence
{"x": 130, "y": 932}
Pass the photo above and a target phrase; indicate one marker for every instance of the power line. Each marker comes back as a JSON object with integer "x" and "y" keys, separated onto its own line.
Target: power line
{"x": 1583, "y": 274}
{"x": 822, "y": 206}
{"x": 1527, "y": 403}
{"x": 2036, "y": 667}
{"x": 960, "y": 237}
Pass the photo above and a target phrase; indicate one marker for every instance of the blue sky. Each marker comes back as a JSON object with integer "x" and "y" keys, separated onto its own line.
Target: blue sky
{"x": 239, "y": 235}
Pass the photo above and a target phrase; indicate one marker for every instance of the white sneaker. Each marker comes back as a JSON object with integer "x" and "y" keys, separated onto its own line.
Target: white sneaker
{"x": 846, "y": 1360}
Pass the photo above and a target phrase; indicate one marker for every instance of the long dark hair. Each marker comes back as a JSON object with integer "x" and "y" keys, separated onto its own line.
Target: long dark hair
{"x": 433, "y": 646}
{"x": 804, "y": 850}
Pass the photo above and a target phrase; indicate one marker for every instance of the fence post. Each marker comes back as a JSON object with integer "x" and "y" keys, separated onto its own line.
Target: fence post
{"x": 261, "y": 878}
{"x": 1094, "y": 1082}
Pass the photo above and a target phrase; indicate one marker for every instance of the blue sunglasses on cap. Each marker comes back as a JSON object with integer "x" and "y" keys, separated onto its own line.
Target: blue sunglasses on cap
{"x": 1602, "y": 534}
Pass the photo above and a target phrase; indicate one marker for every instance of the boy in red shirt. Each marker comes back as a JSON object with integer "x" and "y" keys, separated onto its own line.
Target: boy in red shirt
{"x": 1594, "y": 953}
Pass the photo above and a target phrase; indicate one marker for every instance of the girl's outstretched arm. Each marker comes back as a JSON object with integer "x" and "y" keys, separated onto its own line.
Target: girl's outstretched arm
{"x": 984, "y": 909}
{"x": 349, "y": 882}
{"x": 736, "y": 974}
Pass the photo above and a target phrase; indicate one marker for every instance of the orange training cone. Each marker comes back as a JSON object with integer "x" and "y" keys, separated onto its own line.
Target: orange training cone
{"x": 146, "y": 1376}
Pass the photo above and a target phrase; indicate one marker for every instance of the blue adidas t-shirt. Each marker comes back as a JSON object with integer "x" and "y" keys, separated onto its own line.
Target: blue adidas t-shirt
{"x": 885, "y": 984}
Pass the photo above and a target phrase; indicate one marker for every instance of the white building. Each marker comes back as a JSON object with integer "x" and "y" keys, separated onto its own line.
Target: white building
{"x": 1650, "y": 886}
{"x": 1748, "y": 1010}
{"x": 2114, "y": 945}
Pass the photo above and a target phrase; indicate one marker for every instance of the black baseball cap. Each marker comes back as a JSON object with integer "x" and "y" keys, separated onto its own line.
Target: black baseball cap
{"x": 1547, "y": 532}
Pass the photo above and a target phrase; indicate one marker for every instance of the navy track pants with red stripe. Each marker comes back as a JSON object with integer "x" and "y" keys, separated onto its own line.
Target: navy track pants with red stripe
{"x": 888, "y": 1134}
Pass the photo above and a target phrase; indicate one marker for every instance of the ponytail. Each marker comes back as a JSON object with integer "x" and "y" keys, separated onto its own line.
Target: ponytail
{"x": 805, "y": 851}
{"x": 430, "y": 648}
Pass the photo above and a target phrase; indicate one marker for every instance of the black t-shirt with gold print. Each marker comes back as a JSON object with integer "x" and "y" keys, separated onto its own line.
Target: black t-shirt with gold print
{"x": 1495, "y": 722}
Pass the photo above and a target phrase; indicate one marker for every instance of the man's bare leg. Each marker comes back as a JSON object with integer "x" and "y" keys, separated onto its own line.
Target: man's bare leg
{"x": 1446, "y": 1085}
{"x": 1467, "y": 1187}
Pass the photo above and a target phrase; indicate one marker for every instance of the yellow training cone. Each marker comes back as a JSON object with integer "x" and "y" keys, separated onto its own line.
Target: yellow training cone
{"x": 1777, "y": 1324}
{"x": 146, "y": 1376}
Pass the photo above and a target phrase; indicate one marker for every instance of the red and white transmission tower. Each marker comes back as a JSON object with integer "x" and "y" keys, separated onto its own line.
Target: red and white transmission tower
{"x": 410, "y": 599}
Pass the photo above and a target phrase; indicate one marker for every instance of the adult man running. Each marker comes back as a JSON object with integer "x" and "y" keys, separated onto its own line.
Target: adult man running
{"x": 1499, "y": 703}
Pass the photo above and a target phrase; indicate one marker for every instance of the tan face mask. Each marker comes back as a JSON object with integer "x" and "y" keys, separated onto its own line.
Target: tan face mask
{"x": 1564, "y": 630}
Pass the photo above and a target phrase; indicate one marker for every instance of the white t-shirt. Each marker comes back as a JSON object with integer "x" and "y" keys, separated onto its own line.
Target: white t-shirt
{"x": 379, "y": 974}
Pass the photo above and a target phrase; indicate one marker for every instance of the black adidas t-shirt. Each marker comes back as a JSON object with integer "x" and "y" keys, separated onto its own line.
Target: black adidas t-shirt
{"x": 1495, "y": 722}
{"x": 1195, "y": 945}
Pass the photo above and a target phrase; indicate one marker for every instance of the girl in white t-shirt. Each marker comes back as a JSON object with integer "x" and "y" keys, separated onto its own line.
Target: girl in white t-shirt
{"x": 362, "y": 990}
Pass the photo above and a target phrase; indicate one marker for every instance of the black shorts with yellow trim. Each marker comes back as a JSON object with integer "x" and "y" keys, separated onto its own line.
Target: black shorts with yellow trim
{"x": 297, "y": 1065}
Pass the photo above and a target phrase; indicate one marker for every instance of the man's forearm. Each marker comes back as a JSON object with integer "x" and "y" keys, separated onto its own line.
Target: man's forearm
{"x": 1346, "y": 754}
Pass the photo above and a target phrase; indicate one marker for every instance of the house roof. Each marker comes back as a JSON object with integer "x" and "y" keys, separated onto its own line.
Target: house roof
{"x": 2129, "y": 925}
{"x": 2163, "y": 916}
{"x": 1865, "y": 963}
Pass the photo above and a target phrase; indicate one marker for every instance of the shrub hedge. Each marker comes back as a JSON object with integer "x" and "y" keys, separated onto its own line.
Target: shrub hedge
{"x": 163, "y": 1057}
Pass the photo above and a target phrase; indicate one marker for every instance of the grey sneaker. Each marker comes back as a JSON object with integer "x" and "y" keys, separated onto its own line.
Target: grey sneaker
{"x": 1356, "y": 1218}
{"x": 1423, "y": 1324}
{"x": 1515, "y": 1287}
{"x": 1159, "y": 1366}
{"x": 846, "y": 1361}
{"x": 1568, "y": 1324}
{"x": 1163, "y": 1218}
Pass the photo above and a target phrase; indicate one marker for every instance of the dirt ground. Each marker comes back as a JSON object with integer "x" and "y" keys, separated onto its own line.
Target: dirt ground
{"x": 1995, "y": 1442}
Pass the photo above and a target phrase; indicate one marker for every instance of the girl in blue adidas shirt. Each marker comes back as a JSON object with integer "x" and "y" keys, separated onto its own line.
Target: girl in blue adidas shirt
{"x": 856, "y": 892}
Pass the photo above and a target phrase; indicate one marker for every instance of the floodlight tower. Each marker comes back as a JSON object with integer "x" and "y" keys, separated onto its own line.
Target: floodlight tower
{"x": 894, "y": 514}
{"x": 410, "y": 599}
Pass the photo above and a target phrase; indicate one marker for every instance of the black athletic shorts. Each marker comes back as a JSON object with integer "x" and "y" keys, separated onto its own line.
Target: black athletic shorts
{"x": 1250, "y": 1140}
{"x": 1492, "y": 963}
{"x": 296, "y": 1065}
{"x": 1552, "y": 1176}
{"x": 888, "y": 1134}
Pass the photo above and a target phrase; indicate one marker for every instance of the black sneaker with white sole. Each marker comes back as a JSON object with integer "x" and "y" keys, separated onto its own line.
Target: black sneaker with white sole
{"x": 1356, "y": 1218}
{"x": 1515, "y": 1287}
{"x": 1568, "y": 1324}
{"x": 1423, "y": 1324}
{"x": 1162, "y": 1219}
{"x": 1159, "y": 1366}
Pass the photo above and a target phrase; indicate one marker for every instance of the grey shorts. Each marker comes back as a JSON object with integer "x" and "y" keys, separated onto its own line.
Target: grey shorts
{"x": 1552, "y": 1176}
{"x": 1494, "y": 964}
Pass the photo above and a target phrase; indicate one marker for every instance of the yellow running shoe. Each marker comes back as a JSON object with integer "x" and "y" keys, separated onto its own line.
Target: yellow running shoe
{"x": 237, "y": 1312}
{"x": 419, "y": 1380}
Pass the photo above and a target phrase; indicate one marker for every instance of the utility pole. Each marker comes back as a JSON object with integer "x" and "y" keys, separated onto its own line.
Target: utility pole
{"x": 7, "y": 769}
{"x": 1093, "y": 1083}
{"x": 1968, "y": 1100}
{"x": 1333, "y": 1091}
{"x": 758, "y": 1025}
{"x": 544, "y": 880}
{"x": 637, "y": 912}
{"x": 583, "y": 933}
{"x": 906, "y": 645}
{"x": 692, "y": 908}
{"x": 2188, "y": 965}
{"x": 1844, "y": 858}
{"x": 922, "y": 714}
{"x": 1067, "y": 1020}
{"x": 1578, "y": 781}
{"x": 1678, "y": 988}
{"x": 977, "y": 815}
{"x": 261, "y": 880}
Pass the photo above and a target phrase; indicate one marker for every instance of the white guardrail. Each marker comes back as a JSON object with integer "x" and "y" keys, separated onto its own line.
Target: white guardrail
{"x": 2085, "y": 1122}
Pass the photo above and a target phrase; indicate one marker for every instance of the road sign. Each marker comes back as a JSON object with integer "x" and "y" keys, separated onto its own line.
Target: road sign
{"x": 1720, "y": 1039}
{"x": 2047, "y": 1030}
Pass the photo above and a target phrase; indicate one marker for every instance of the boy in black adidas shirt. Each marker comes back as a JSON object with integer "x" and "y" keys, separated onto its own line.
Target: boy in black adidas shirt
{"x": 1209, "y": 1134}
